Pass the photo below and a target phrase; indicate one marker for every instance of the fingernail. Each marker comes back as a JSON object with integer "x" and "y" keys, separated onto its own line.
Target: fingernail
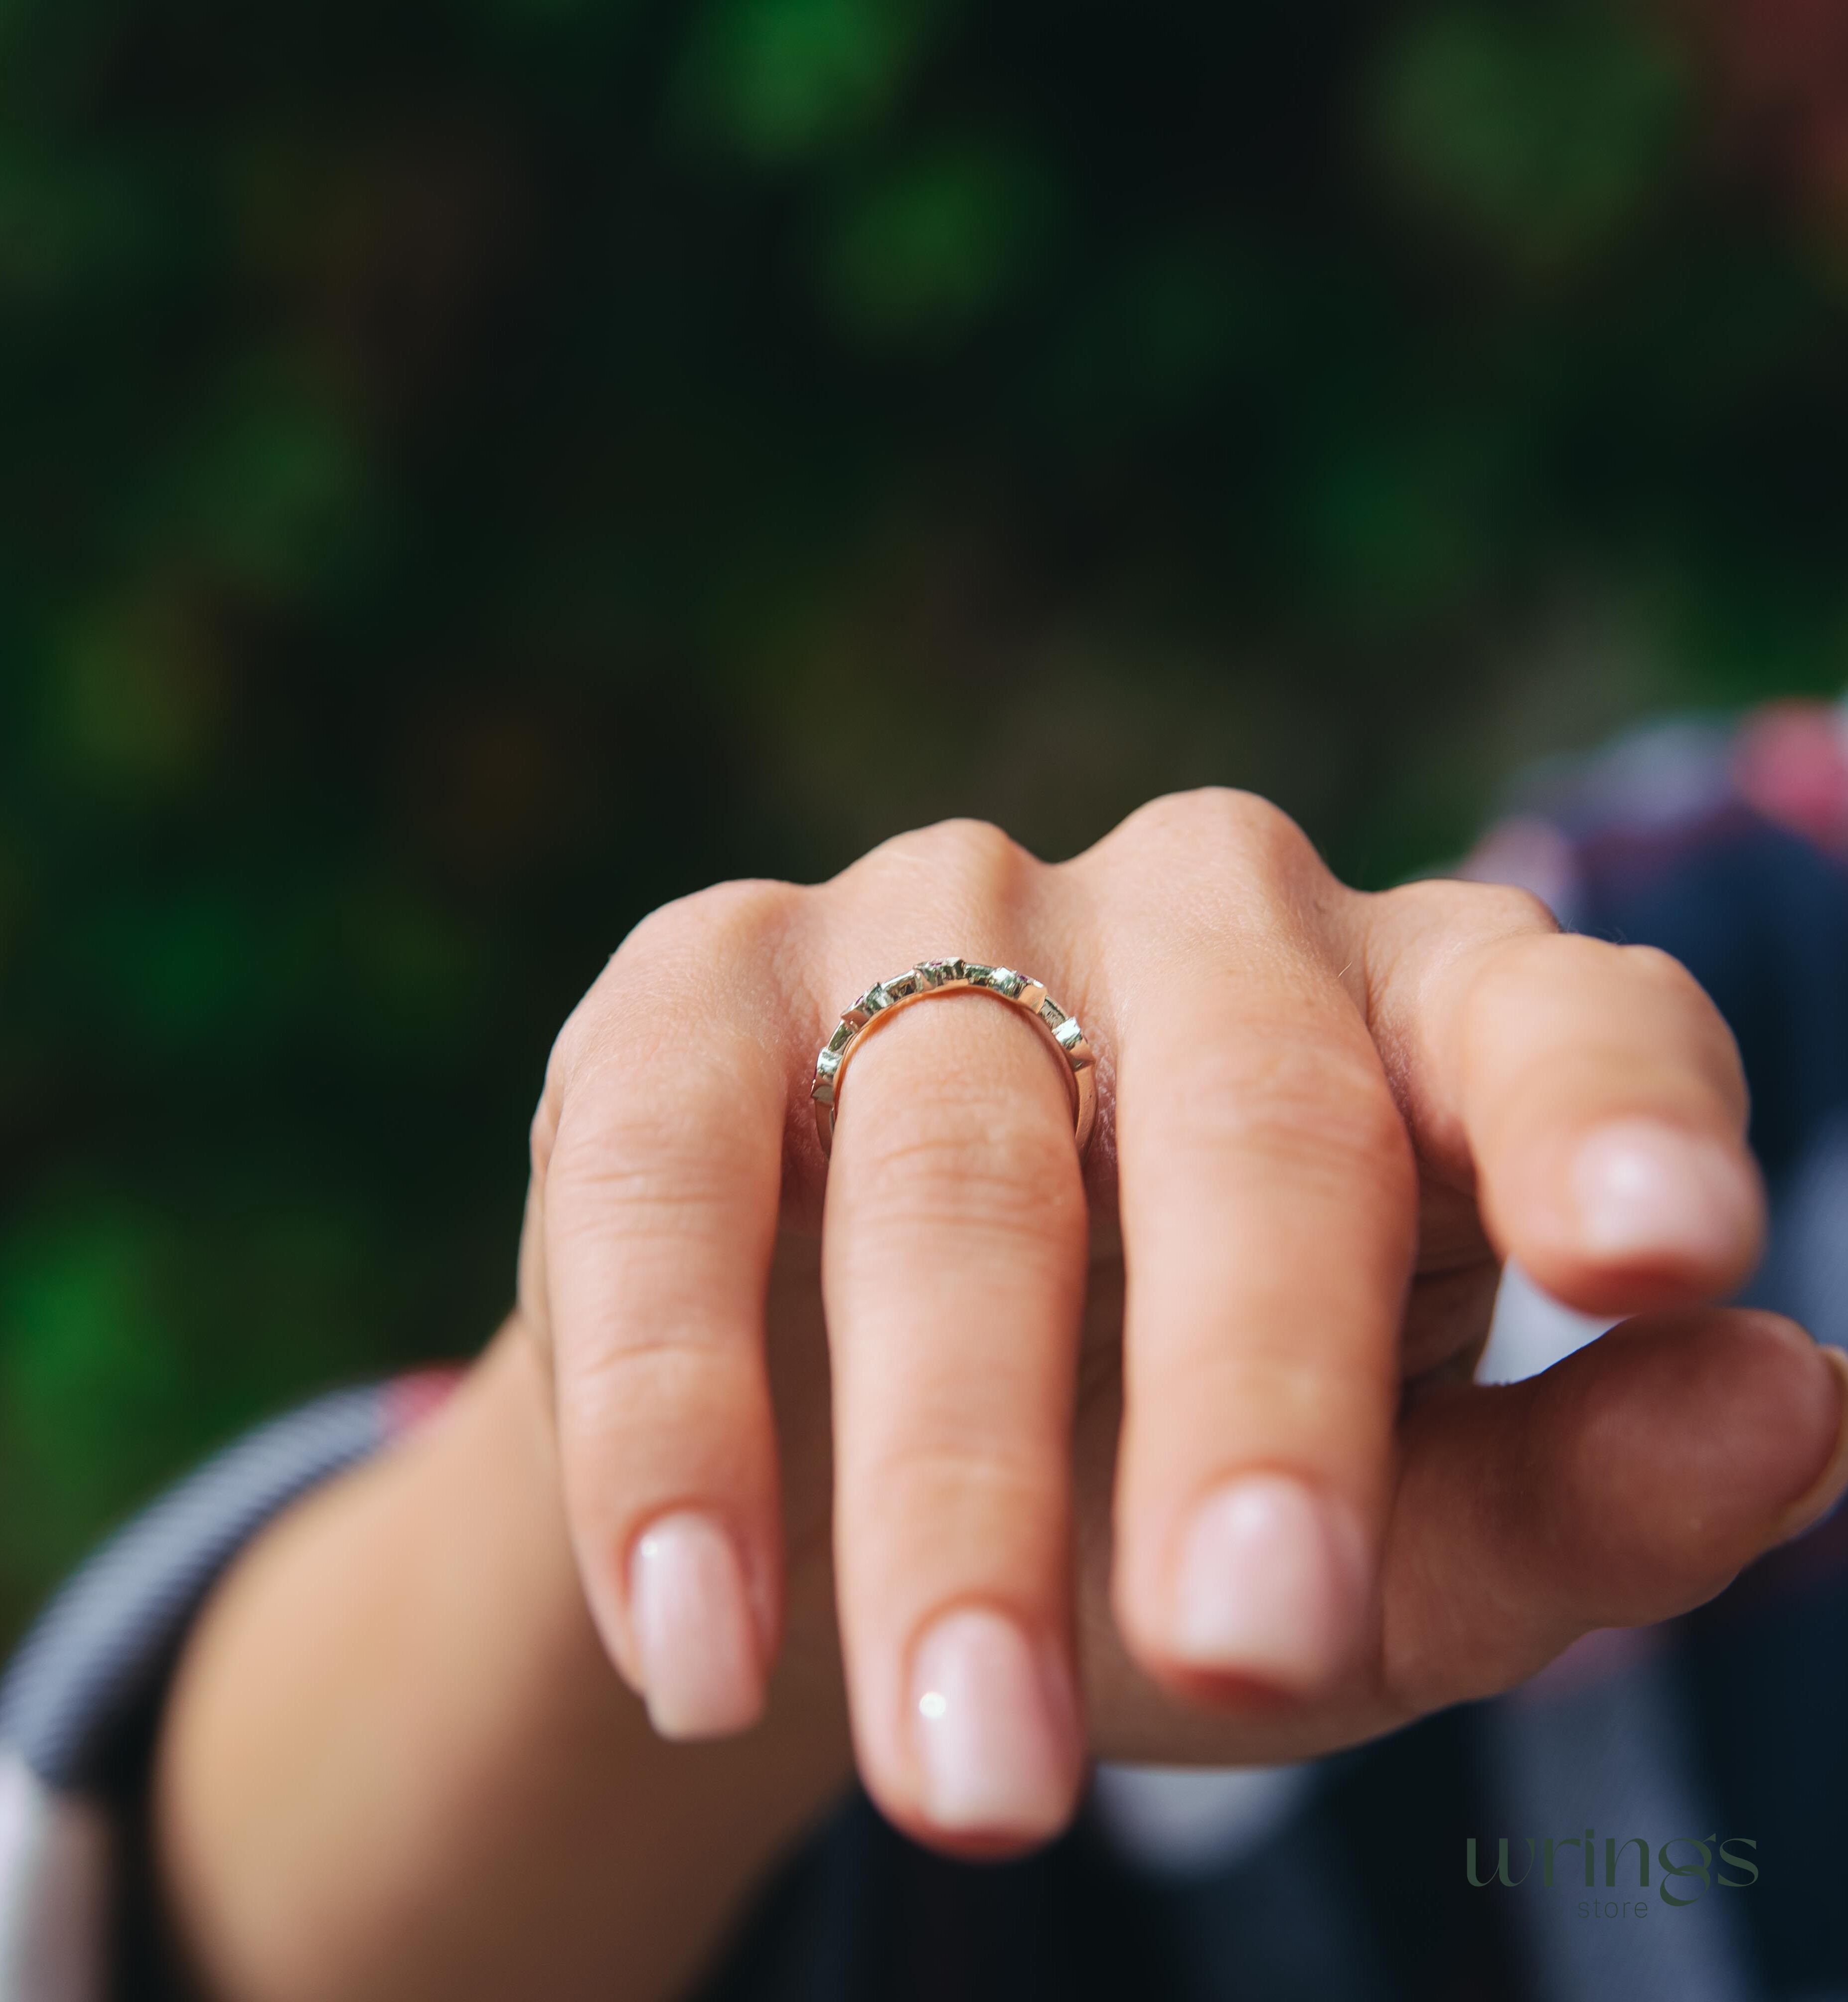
{"x": 1271, "y": 1584}
{"x": 996, "y": 1729}
{"x": 1643, "y": 1189}
{"x": 693, "y": 1630}
{"x": 1833, "y": 1480}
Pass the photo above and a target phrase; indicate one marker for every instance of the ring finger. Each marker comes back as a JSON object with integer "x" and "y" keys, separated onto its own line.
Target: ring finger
{"x": 952, "y": 1268}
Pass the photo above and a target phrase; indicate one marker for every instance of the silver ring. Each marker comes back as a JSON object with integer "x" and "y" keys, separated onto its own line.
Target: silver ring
{"x": 955, "y": 976}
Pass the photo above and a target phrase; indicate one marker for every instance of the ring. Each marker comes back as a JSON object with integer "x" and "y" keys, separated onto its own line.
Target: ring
{"x": 954, "y": 976}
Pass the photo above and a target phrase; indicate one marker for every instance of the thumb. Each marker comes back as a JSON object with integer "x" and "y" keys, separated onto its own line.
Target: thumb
{"x": 1630, "y": 1482}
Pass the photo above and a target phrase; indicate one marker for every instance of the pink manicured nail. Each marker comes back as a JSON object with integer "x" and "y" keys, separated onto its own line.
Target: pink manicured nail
{"x": 1643, "y": 1189}
{"x": 1271, "y": 1584}
{"x": 693, "y": 1630}
{"x": 996, "y": 1729}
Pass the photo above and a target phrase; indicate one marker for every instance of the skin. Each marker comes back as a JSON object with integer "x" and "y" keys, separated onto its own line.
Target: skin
{"x": 952, "y": 1382}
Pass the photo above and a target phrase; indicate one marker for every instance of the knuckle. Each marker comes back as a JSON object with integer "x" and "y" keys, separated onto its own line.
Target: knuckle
{"x": 1218, "y": 824}
{"x": 722, "y": 919}
{"x": 1304, "y": 1106}
{"x": 953, "y": 1471}
{"x": 975, "y": 856}
{"x": 649, "y": 1147}
{"x": 689, "y": 1412}
{"x": 1567, "y": 955}
{"x": 1306, "y": 1394}
{"x": 632, "y": 1371}
{"x": 1483, "y": 910}
{"x": 988, "y": 1487}
{"x": 616, "y": 1187}
{"x": 717, "y": 946}
{"x": 1677, "y": 995}
{"x": 1506, "y": 908}
{"x": 973, "y": 1165}
{"x": 1654, "y": 967}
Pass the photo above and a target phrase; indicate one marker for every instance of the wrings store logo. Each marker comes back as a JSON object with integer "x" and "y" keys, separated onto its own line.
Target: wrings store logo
{"x": 1682, "y": 1879}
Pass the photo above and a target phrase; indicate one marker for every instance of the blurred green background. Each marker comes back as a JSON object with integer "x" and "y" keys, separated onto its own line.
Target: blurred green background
{"x": 469, "y": 471}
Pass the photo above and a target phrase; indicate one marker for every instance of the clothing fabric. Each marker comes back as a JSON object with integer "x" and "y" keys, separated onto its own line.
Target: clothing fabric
{"x": 1718, "y": 1742}
{"x": 80, "y": 1700}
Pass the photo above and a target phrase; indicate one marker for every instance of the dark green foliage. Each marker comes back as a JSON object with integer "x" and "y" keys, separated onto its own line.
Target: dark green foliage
{"x": 469, "y": 473}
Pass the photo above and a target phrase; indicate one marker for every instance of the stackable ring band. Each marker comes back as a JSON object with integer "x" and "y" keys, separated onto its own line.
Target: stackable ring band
{"x": 955, "y": 976}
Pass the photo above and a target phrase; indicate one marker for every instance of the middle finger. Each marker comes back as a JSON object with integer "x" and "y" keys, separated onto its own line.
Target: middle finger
{"x": 953, "y": 1271}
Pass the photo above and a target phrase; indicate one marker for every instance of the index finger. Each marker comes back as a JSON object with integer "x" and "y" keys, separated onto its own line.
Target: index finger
{"x": 1590, "y": 1093}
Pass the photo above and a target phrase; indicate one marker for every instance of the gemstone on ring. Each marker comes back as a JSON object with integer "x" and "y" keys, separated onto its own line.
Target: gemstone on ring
{"x": 946, "y": 976}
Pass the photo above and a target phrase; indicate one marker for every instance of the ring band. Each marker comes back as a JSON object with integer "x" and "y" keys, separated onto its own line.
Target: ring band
{"x": 954, "y": 976}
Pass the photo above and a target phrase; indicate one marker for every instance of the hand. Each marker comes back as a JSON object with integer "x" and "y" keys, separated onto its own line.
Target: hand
{"x": 1324, "y": 1118}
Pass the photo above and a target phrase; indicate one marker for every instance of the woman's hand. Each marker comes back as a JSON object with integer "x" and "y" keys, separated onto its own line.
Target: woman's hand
{"x": 1324, "y": 1118}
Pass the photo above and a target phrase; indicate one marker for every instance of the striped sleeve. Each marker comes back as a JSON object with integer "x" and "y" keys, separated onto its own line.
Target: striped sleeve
{"x": 80, "y": 1702}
